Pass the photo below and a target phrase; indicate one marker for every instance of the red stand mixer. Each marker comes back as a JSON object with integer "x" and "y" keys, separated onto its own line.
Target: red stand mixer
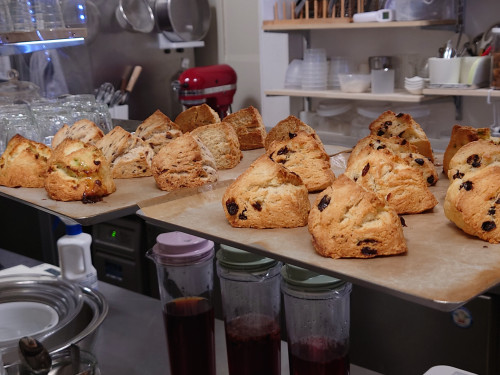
{"x": 214, "y": 85}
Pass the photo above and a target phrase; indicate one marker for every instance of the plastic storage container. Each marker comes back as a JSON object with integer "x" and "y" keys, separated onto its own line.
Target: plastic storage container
{"x": 410, "y": 10}
{"x": 495, "y": 60}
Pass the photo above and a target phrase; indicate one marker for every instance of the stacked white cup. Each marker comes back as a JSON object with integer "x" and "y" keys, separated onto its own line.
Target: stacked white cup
{"x": 314, "y": 69}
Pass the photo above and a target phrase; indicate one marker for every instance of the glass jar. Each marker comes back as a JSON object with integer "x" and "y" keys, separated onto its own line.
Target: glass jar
{"x": 495, "y": 59}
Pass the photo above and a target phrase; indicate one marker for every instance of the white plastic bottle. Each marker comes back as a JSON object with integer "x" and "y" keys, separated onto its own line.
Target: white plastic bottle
{"x": 75, "y": 259}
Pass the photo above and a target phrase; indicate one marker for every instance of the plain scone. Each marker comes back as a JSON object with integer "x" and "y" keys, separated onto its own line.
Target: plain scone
{"x": 402, "y": 148}
{"x": 305, "y": 156}
{"x": 266, "y": 195}
{"x": 78, "y": 171}
{"x": 196, "y": 116}
{"x": 223, "y": 143}
{"x": 390, "y": 124}
{"x": 83, "y": 130}
{"x": 24, "y": 163}
{"x": 288, "y": 128}
{"x": 158, "y": 130}
{"x": 187, "y": 162}
{"x": 348, "y": 221}
{"x": 392, "y": 179}
{"x": 249, "y": 127}
{"x": 129, "y": 156}
{"x": 471, "y": 203}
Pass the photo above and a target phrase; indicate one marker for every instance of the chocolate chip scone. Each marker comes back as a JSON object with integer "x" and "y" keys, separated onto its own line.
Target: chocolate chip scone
{"x": 306, "y": 157}
{"x": 392, "y": 179}
{"x": 266, "y": 195}
{"x": 471, "y": 203}
{"x": 390, "y": 124}
{"x": 24, "y": 163}
{"x": 473, "y": 156}
{"x": 78, "y": 171}
{"x": 186, "y": 162}
{"x": 402, "y": 148}
{"x": 287, "y": 129}
{"x": 348, "y": 221}
{"x": 157, "y": 130}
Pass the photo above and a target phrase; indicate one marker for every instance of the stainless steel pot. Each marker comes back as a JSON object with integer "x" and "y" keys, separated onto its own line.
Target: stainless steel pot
{"x": 182, "y": 20}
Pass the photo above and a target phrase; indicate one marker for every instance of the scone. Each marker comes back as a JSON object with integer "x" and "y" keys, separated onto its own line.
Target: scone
{"x": 249, "y": 127}
{"x": 196, "y": 116}
{"x": 471, "y": 203}
{"x": 473, "y": 156}
{"x": 393, "y": 180}
{"x": 288, "y": 128}
{"x": 83, "y": 130}
{"x": 460, "y": 136}
{"x": 390, "y": 124}
{"x": 223, "y": 143}
{"x": 24, "y": 163}
{"x": 128, "y": 155}
{"x": 158, "y": 130}
{"x": 402, "y": 148}
{"x": 304, "y": 156}
{"x": 78, "y": 171}
{"x": 348, "y": 221}
{"x": 186, "y": 162}
{"x": 266, "y": 195}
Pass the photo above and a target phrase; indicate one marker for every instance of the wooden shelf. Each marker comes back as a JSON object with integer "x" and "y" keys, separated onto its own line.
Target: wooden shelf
{"x": 397, "y": 96}
{"x": 327, "y": 23}
{"x": 463, "y": 92}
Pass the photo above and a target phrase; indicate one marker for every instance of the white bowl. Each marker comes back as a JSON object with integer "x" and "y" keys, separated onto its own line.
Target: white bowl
{"x": 354, "y": 82}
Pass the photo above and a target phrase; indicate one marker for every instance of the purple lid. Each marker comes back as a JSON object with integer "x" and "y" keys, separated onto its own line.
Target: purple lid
{"x": 179, "y": 247}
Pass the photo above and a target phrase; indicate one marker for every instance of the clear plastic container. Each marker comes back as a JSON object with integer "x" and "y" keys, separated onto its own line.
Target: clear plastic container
{"x": 495, "y": 59}
{"x": 410, "y": 10}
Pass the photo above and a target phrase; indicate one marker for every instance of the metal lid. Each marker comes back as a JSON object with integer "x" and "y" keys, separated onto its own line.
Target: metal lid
{"x": 231, "y": 257}
{"x": 307, "y": 279}
{"x": 179, "y": 247}
{"x": 380, "y": 62}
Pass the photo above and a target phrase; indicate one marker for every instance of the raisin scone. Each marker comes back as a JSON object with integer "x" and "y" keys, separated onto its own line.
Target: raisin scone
{"x": 304, "y": 156}
{"x": 249, "y": 127}
{"x": 348, "y": 221}
{"x": 186, "y": 162}
{"x": 158, "y": 130}
{"x": 128, "y": 155}
{"x": 460, "y": 136}
{"x": 83, "y": 130}
{"x": 288, "y": 128}
{"x": 403, "y": 149}
{"x": 222, "y": 141}
{"x": 196, "y": 116}
{"x": 471, "y": 203}
{"x": 266, "y": 195}
{"x": 78, "y": 171}
{"x": 392, "y": 179}
{"x": 24, "y": 163}
{"x": 473, "y": 156}
{"x": 390, "y": 124}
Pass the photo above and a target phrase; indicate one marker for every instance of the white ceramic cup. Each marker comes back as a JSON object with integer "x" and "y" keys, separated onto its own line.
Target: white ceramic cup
{"x": 444, "y": 71}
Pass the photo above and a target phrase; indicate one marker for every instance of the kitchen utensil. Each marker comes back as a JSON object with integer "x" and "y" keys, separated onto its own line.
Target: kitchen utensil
{"x": 449, "y": 51}
{"x": 135, "y": 15}
{"x": 105, "y": 92}
{"x": 34, "y": 356}
{"x": 130, "y": 85}
{"x": 182, "y": 20}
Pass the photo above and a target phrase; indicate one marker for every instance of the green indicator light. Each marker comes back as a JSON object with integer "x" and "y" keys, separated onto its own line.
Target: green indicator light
{"x": 113, "y": 234}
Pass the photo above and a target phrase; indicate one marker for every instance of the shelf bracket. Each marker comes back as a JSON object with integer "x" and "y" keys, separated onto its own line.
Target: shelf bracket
{"x": 458, "y": 101}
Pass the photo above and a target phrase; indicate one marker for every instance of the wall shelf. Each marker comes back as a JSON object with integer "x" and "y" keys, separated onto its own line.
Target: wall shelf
{"x": 463, "y": 92}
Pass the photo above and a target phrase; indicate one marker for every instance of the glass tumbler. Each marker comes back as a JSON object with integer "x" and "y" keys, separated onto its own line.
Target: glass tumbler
{"x": 5, "y": 19}
{"x": 50, "y": 117}
{"x": 317, "y": 314}
{"x": 20, "y": 13}
{"x": 18, "y": 119}
{"x": 184, "y": 265}
{"x": 250, "y": 289}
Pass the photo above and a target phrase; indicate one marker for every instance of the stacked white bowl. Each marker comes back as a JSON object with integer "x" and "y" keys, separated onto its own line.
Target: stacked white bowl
{"x": 314, "y": 69}
{"x": 293, "y": 78}
{"x": 415, "y": 85}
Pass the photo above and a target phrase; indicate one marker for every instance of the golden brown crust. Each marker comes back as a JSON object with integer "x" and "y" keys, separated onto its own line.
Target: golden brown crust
{"x": 390, "y": 124}
{"x": 304, "y": 156}
{"x": 249, "y": 127}
{"x": 471, "y": 203}
{"x": 128, "y": 155}
{"x": 473, "y": 156}
{"x": 24, "y": 163}
{"x": 196, "y": 116}
{"x": 286, "y": 129}
{"x": 158, "y": 130}
{"x": 223, "y": 143}
{"x": 83, "y": 130}
{"x": 187, "y": 162}
{"x": 393, "y": 180}
{"x": 348, "y": 221}
{"x": 460, "y": 136}
{"x": 266, "y": 195}
{"x": 78, "y": 171}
